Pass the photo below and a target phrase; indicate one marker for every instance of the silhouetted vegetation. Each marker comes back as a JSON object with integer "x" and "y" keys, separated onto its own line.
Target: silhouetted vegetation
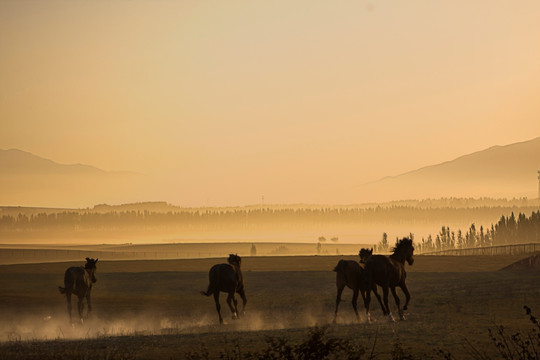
{"x": 508, "y": 230}
{"x": 138, "y": 217}
{"x": 317, "y": 346}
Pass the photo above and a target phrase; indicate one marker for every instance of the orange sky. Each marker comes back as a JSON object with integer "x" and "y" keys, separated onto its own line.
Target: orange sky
{"x": 299, "y": 101}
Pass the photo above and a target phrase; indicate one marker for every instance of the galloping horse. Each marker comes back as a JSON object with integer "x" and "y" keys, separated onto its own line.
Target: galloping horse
{"x": 350, "y": 273}
{"x": 78, "y": 280}
{"x": 227, "y": 278}
{"x": 389, "y": 272}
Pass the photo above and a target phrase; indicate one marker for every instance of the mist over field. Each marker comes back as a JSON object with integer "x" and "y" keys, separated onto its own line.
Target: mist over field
{"x": 278, "y": 140}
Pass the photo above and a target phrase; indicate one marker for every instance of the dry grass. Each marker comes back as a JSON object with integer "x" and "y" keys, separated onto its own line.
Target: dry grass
{"x": 153, "y": 309}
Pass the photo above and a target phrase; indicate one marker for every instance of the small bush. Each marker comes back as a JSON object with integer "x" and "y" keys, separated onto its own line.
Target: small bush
{"x": 316, "y": 347}
{"x": 516, "y": 346}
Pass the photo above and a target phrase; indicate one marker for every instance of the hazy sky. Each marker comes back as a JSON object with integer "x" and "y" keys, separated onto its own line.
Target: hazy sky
{"x": 299, "y": 101}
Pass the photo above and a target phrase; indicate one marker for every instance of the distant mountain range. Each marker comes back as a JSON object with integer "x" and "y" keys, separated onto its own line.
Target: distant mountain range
{"x": 499, "y": 171}
{"x": 30, "y": 180}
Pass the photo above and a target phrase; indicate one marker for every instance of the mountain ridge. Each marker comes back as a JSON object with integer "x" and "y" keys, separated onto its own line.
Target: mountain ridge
{"x": 9, "y": 157}
{"x": 31, "y": 180}
{"x": 500, "y": 170}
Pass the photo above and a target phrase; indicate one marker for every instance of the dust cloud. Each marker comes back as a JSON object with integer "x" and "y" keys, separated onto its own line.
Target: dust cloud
{"x": 57, "y": 327}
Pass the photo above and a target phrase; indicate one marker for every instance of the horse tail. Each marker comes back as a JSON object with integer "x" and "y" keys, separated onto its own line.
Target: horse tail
{"x": 340, "y": 266}
{"x": 208, "y": 292}
{"x": 69, "y": 283}
{"x": 214, "y": 281}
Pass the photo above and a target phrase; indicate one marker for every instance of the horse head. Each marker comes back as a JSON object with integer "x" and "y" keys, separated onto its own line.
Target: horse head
{"x": 405, "y": 249}
{"x": 365, "y": 254}
{"x": 234, "y": 259}
{"x": 90, "y": 266}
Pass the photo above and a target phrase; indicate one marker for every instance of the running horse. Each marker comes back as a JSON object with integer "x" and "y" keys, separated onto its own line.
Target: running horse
{"x": 227, "y": 278}
{"x": 78, "y": 280}
{"x": 350, "y": 273}
{"x": 389, "y": 272}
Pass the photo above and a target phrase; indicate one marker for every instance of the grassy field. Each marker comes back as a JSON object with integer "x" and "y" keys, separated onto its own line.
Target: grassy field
{"x": 153, "y": 309}
{"x": 35, "y": 253}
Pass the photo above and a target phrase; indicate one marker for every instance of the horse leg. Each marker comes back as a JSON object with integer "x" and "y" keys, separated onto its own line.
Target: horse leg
{"x": 379, "y": 299}
{"x": 367, "y": 300}
{"x": 81, "y": 308}
{"x": 230, "y": 299}
{"x": 89, "y": 304}
{"x": 407, "y": 295}
{"x": 68, "y": 298}
{"x": 235, "y": 306}
{"x": 385, "y": 298}
{"x": 396, "y": 297}
{"x": 218, "y": 307}
{"x": 338, "y": 300}
{"x": 244, "y": 300}
{"x": 354, "y": 303}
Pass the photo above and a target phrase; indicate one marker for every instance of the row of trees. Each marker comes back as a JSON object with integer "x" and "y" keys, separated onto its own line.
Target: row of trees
{"x": 246, "y": 218}
{"x": 508, "y": 230}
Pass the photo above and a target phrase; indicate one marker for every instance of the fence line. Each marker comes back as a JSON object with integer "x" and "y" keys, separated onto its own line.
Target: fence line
{"x": 516, "y": 249}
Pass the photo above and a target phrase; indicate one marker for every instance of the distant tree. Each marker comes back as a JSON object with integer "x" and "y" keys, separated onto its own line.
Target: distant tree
{"x": 460, "y": 241}
{"x": 429, "y": 243}
{"x": 383, "y": 244}
{"x": 253, "y": 250}
{"x": 482, "y": 237}
{"x": 319, "y": 248}
{"x": 322, "y": 239}
{"x": 471, "y": 241}
{"x": 334, "y": 239}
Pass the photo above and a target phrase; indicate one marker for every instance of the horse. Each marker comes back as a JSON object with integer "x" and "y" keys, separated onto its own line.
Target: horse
{"x": 350, "y": 273}
{"x": 365, "y": 254}
{"x": 78, "y": 280}
{"x": 227, "y": 278}
{"x": 389, "y": 272}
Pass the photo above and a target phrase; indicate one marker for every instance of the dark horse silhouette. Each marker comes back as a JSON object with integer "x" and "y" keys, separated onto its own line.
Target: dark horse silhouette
{"x": 365, "y": 254}
{"x": 78, "y": 280}
{"x": 389, "y": 272}
{"x": 350, "y": 273}
{"x": 227, "y": 278}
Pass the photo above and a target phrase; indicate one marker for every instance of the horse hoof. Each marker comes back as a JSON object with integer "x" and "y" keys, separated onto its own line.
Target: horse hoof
{"x": 391, "y": 318}
{"x": 235, "y": 316}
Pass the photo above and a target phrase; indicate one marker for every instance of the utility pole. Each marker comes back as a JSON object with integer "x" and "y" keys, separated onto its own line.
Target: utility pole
{"x": 538, "y": 187}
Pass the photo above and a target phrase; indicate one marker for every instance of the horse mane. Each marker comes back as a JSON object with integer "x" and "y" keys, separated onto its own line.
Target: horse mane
{"x": 234, "y": 258}
{"x": 90, "y": 263}
{"x": 402, "y": 244}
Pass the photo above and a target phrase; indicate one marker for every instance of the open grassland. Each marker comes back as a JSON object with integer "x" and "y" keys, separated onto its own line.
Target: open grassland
{"x": 153, "y": 309}
{"x": 35, "y": 253}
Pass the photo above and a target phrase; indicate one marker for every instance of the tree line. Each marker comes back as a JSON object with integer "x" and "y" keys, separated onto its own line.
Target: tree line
{"x": 252, "y": 218}
{"x": 508, "y": 230}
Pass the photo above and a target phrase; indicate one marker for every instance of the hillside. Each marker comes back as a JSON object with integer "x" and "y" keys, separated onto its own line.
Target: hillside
{"x": 29, "y": 180}
{"x": 499, "y": 171}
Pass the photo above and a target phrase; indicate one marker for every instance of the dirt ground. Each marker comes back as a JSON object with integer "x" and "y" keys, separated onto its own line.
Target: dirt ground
{"x": 153, "y": 309}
